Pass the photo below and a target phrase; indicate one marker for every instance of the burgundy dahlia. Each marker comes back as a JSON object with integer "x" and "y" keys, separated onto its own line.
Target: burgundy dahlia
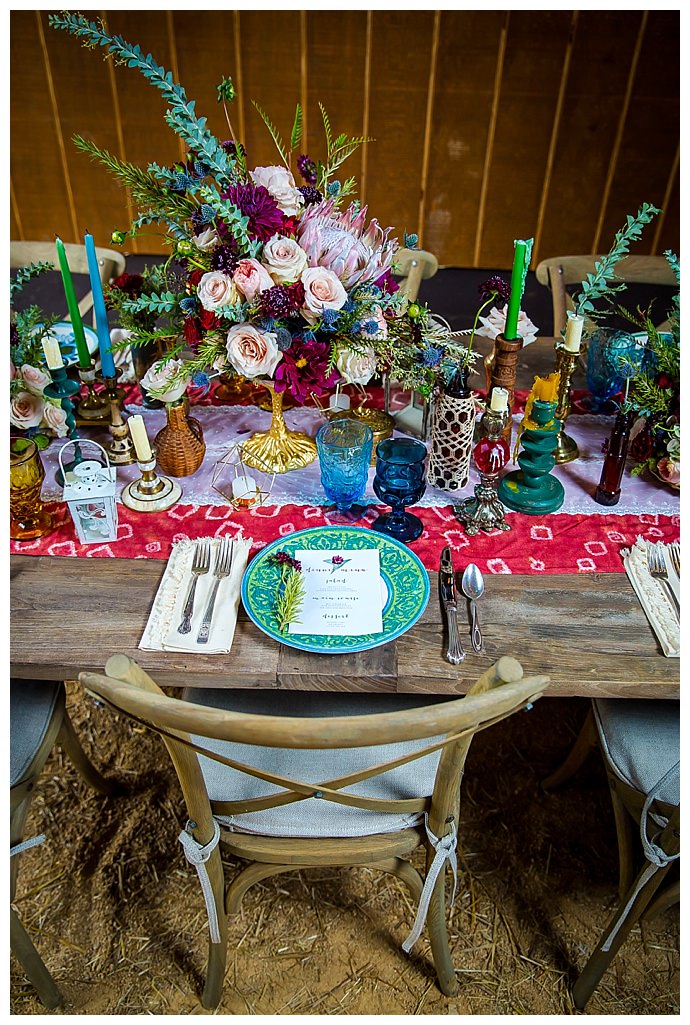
{"x": 256, "y": 203}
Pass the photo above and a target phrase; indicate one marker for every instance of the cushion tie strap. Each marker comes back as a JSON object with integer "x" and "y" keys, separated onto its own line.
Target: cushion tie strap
{"x": 197, "y": 854}
{"x": 26, "y": 844}
{"x": 445, "y": 848}
{"x": 656, "y": 856}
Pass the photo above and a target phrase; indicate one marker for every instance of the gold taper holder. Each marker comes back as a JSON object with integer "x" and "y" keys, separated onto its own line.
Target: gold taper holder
{"x": 151, "y": 493}
{"x": 95, "y": 406}
{"x": 566, "y": 448}
{"x": 121, "y": 448}
{"x": 112, "y": 392}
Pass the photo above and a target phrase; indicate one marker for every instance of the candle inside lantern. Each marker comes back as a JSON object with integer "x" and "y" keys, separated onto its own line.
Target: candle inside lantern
{"x": 52, "y": 353}
{"x": 102, "y": 328}
{"x": 499, "y": 400}
{"x": 523, "y": 252}
{"x": 140, "y": 438}
{"x": 83, "y": 354}
{"x": 244, "y": 489}
{"x": 339, "y": 401}
{"x": 573, "y": 332}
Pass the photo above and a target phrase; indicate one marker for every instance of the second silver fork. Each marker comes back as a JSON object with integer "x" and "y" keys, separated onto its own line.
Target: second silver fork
{"x": 674, "y": 555}
{"x": 221, "y": 569}
{"x": 658, "y": 571}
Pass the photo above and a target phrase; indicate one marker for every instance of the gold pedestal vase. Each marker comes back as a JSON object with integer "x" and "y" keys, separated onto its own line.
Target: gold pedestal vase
{"x": 278, "y": 449}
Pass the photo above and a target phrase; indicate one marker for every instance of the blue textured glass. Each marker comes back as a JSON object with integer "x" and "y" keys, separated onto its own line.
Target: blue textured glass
{"x": 400, "y": 481}
{"x": 344, "y": 448}
{"x": 604, "y": 379}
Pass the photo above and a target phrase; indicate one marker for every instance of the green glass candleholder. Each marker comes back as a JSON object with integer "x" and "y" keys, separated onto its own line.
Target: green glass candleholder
{"x": 532, "y": 489}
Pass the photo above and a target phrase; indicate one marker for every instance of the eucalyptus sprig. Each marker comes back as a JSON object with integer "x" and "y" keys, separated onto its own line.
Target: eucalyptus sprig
{"x": 599, "y": 285}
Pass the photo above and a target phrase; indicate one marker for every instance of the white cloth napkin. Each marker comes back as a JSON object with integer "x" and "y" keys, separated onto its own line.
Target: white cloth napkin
{"x": 652, "y": 593}
{"x": 161, "y": 629}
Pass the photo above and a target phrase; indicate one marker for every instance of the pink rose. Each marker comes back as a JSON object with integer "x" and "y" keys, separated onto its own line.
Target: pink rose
{"x": 323, "y": 290}
{"x": 166, "y": 380}
{"x": 216, "y": 289}
{"x": 668, "y": 470}
{"x": 55, "y": 418}
{"x": 250, "y": 277}
{"x": 206, "y": 239}
{"x": 26, "y": 410}
{"x": 284, "y": 259}
{"x": 35, "y": 379}
{"x": 281, "y": 185}
{"x": 251, "y": 352}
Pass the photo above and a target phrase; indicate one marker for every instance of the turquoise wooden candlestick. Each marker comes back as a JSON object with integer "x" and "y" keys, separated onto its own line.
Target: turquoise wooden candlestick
{"x": 532, "y": 489}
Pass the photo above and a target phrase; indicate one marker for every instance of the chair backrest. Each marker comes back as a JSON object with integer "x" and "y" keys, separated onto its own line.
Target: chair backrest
{"x": 499, "y": 692}
{"x": 558, "y": 272}
{"x": 412, "y": 266}
{"x": 111, "y": 263}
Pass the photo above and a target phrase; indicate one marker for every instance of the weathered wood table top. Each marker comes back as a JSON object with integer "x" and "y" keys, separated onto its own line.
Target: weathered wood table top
{"x": 587, "y": 632}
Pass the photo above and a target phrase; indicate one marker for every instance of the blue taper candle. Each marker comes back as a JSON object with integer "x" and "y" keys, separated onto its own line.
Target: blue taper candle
{"x": 102, "y": 328}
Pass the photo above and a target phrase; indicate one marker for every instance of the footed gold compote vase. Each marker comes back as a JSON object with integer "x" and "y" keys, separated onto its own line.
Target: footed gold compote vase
{"x": 278, "y": 449}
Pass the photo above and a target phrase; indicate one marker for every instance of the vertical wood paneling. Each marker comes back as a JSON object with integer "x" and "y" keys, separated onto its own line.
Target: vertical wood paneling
{"x": 488, "y": 125}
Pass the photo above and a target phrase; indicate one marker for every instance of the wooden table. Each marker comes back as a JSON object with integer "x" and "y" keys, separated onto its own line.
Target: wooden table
{"x": 587, "y": 632}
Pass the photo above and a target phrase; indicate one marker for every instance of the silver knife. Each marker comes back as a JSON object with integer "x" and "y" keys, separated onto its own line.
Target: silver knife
{"x": 449, "y": 598}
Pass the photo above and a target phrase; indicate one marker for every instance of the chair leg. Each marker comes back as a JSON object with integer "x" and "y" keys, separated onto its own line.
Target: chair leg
{"x": 404, "y": 871}
{"x": 30, "y": 960}
{"x": 625, "y": 840}
{"x": 601, "y": 958}
{"x": 438, "y": 935}
{"x": 69, "y": 740}
{"x": 586, "y": 741}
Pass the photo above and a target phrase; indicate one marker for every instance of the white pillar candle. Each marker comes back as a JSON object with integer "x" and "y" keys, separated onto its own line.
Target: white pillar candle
{"x": 499, "y": 400}
{"x": 573, "y": 332}
{"x": 140, "y": 438}
{"x": 244, "y": 488}
{"x": 52, "y": 353}
{"x": 339, "y": 401}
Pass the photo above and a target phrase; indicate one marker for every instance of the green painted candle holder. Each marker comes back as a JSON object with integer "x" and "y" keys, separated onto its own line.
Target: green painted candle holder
{"x": 532, "y": 489}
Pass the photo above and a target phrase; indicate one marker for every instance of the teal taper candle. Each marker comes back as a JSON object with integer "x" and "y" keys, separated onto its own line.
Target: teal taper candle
{"x": 83, "y": 354}
{"x": 102, "y": 328}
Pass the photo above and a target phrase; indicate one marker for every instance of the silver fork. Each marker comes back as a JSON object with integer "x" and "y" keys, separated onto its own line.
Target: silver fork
{"x": 221, "y": 569}
{"x": 674, "y": 552}
{"x": 657, "y": 569}
{"x": 200, "y": 565}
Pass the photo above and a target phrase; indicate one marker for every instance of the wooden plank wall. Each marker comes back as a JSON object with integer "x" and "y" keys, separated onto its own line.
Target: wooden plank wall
{"x": 488, "y": 125}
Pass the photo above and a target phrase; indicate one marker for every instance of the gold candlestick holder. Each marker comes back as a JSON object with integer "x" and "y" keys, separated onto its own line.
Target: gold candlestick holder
{"x": 121, "y": 448}
{"x": 95, "y": 406}
{"x": 151, "y": 493}
{"x": 112, "y": 392}
{"x": 566, "y": 448}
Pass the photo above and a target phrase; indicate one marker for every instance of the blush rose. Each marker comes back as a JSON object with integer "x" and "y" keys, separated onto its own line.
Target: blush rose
{"x": 26, "y": 410}
{"x": 216, "y": 289}
{"x": 356, "y": 367}
{"x": 163, "y": 380}
{"x": 281, "y": 185}
{"x": 251, "y": 278}
{"x": 284, "y": 259}
{"x": 251, "y": 352}
{"x": 323, "y": 290}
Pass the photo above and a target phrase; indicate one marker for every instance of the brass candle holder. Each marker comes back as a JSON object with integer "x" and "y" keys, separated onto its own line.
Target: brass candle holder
{"x": 95, "y": 406}
{"x": 566, "y": 448}
{"x": 121, "y": 448}
{"x": 151, "y": 493}
{"x": 112, "y": 392}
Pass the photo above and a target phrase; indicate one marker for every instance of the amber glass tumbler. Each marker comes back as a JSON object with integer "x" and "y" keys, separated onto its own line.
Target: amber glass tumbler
{"x": 29, "y": 518}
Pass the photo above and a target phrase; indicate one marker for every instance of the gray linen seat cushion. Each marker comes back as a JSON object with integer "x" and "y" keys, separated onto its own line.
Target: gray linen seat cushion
{"x": 315, "y": 817}
{"x": 641, "y": 742}
{"x": 32, "y": 704}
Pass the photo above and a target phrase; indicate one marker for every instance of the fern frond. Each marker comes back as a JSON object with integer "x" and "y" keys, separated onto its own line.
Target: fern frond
{"x": 296, "y": 134}
{"x": 275, "y": 134}
{"x": 326, "y": 128}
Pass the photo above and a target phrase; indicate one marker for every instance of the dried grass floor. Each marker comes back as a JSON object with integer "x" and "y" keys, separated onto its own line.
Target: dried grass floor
{"x": 118, "y": 916}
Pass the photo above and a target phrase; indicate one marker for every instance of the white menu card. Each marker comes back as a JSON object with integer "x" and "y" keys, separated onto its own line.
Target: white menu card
{"x": 343, "y": 593}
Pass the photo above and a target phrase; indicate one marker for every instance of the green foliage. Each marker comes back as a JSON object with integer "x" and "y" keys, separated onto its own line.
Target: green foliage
{"x": 153, "y": 303}
{"x": 296, "y": 134}
{"x": 275, "y": 134}
{"x": 337, "y": 152}
{"x": 290, "y": 597}
{"x": 599, "y": 285}
{"x": 24, "y": 275}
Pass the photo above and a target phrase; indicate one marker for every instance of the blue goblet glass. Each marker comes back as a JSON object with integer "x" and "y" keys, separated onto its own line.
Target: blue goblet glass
{"x": 400, "y": 481}
{"x": 344, "y": 448}
{"x": 604, "y": 379}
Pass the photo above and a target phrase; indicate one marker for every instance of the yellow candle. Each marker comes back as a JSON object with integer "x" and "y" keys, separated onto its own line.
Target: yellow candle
{"x": 140, "y": 438}
{"x": 573, "y": 332}
{"x": 52, "y": 353}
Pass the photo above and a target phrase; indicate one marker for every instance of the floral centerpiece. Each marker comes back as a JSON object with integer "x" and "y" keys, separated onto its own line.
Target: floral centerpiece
{"x": 285, "y": 284}
{"x": 37, "y": 415}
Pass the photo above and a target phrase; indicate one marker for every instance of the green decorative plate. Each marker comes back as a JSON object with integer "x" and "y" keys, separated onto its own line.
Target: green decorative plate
{"x": 404, "y": 576}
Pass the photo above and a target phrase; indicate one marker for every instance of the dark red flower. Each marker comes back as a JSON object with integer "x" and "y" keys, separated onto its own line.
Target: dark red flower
{"x": 195, "y": 276}
{"x": 664, "y": 381}
{"x": 132, "y": 284}
{"x": 494, "y": 288}
{"x": 209, "y": 321}
{"x": 387, "y": 283}
{"x": 290, "y": 225}
{"x": 303, "y": 370}
{"x": 193, "y": 332}
{"x": 257, "y": 203}
{"x": 642, "y": 446}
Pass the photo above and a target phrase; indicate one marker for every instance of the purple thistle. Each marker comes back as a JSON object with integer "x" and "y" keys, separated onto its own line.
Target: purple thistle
{"x": 494, "y": 288}
{"x": 307, "y": 168}
{"x": 256, "y": 203}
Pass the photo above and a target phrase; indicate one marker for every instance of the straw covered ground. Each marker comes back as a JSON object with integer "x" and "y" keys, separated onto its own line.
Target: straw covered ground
{"x": 118, "y": 915}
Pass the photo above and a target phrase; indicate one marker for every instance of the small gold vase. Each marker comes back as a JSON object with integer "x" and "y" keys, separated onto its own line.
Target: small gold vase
{"x": 278, "y": 450}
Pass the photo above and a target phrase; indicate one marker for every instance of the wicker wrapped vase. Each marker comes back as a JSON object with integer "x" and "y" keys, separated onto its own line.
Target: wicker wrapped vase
{"x": 180, "y": 445}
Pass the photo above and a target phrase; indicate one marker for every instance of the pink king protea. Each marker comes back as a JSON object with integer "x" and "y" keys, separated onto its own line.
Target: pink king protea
{"x": 339, "y": 242}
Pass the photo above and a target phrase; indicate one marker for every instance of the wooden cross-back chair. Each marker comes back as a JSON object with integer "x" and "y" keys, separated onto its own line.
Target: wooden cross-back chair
{"x": 640, "y": 746}
{"x": 558, "y": 272}
{"x": 343, "y": 783}
{"x": 111, "y": 263}
{"x": 38, "y": 720}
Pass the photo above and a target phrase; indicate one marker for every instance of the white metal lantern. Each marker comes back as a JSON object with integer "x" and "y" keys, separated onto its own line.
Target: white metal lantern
{"x": 89, "y": 491}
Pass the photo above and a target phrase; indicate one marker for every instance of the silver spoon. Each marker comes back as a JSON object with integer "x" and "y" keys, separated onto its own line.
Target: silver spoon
{"x": 473, "y": 588}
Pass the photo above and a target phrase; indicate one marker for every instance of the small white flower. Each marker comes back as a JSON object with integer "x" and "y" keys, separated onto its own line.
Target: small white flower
{"x": 162, "y": 380}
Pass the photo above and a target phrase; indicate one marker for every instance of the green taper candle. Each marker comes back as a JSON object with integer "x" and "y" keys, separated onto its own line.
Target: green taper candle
{"x": 523, "y": 251}
{"x": 74, "y": 315}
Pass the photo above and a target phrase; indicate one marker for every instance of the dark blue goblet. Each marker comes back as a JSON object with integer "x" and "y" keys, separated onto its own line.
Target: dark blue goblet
{"x": 400, "y": 481}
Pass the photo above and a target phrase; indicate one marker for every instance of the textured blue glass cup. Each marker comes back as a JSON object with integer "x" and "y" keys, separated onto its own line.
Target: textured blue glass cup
{"x": 344, "y": 448}
{"x": 604, "y": 379}
{"x": 400, "y": 480}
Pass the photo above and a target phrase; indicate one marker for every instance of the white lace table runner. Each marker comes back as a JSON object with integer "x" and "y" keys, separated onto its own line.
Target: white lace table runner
{"x": 225, "y": 425}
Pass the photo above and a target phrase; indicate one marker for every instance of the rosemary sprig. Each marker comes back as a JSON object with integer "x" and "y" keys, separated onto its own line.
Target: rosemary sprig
{"x": 291, "y": 590}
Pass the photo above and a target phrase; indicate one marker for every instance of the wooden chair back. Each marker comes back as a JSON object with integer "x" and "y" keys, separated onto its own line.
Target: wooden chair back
{"x": 111, "y": 263}
{"x": 412, "y": 266}
{"x": 558, "y": 272}
{"x": 499, "y": 692}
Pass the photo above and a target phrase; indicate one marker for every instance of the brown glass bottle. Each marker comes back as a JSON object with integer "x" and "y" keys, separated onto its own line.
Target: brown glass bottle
{"x": 609, "y": 490}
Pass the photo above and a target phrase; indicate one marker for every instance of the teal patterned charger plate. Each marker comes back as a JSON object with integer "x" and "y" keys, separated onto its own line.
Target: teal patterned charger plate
{"x": 406, "y": 582}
